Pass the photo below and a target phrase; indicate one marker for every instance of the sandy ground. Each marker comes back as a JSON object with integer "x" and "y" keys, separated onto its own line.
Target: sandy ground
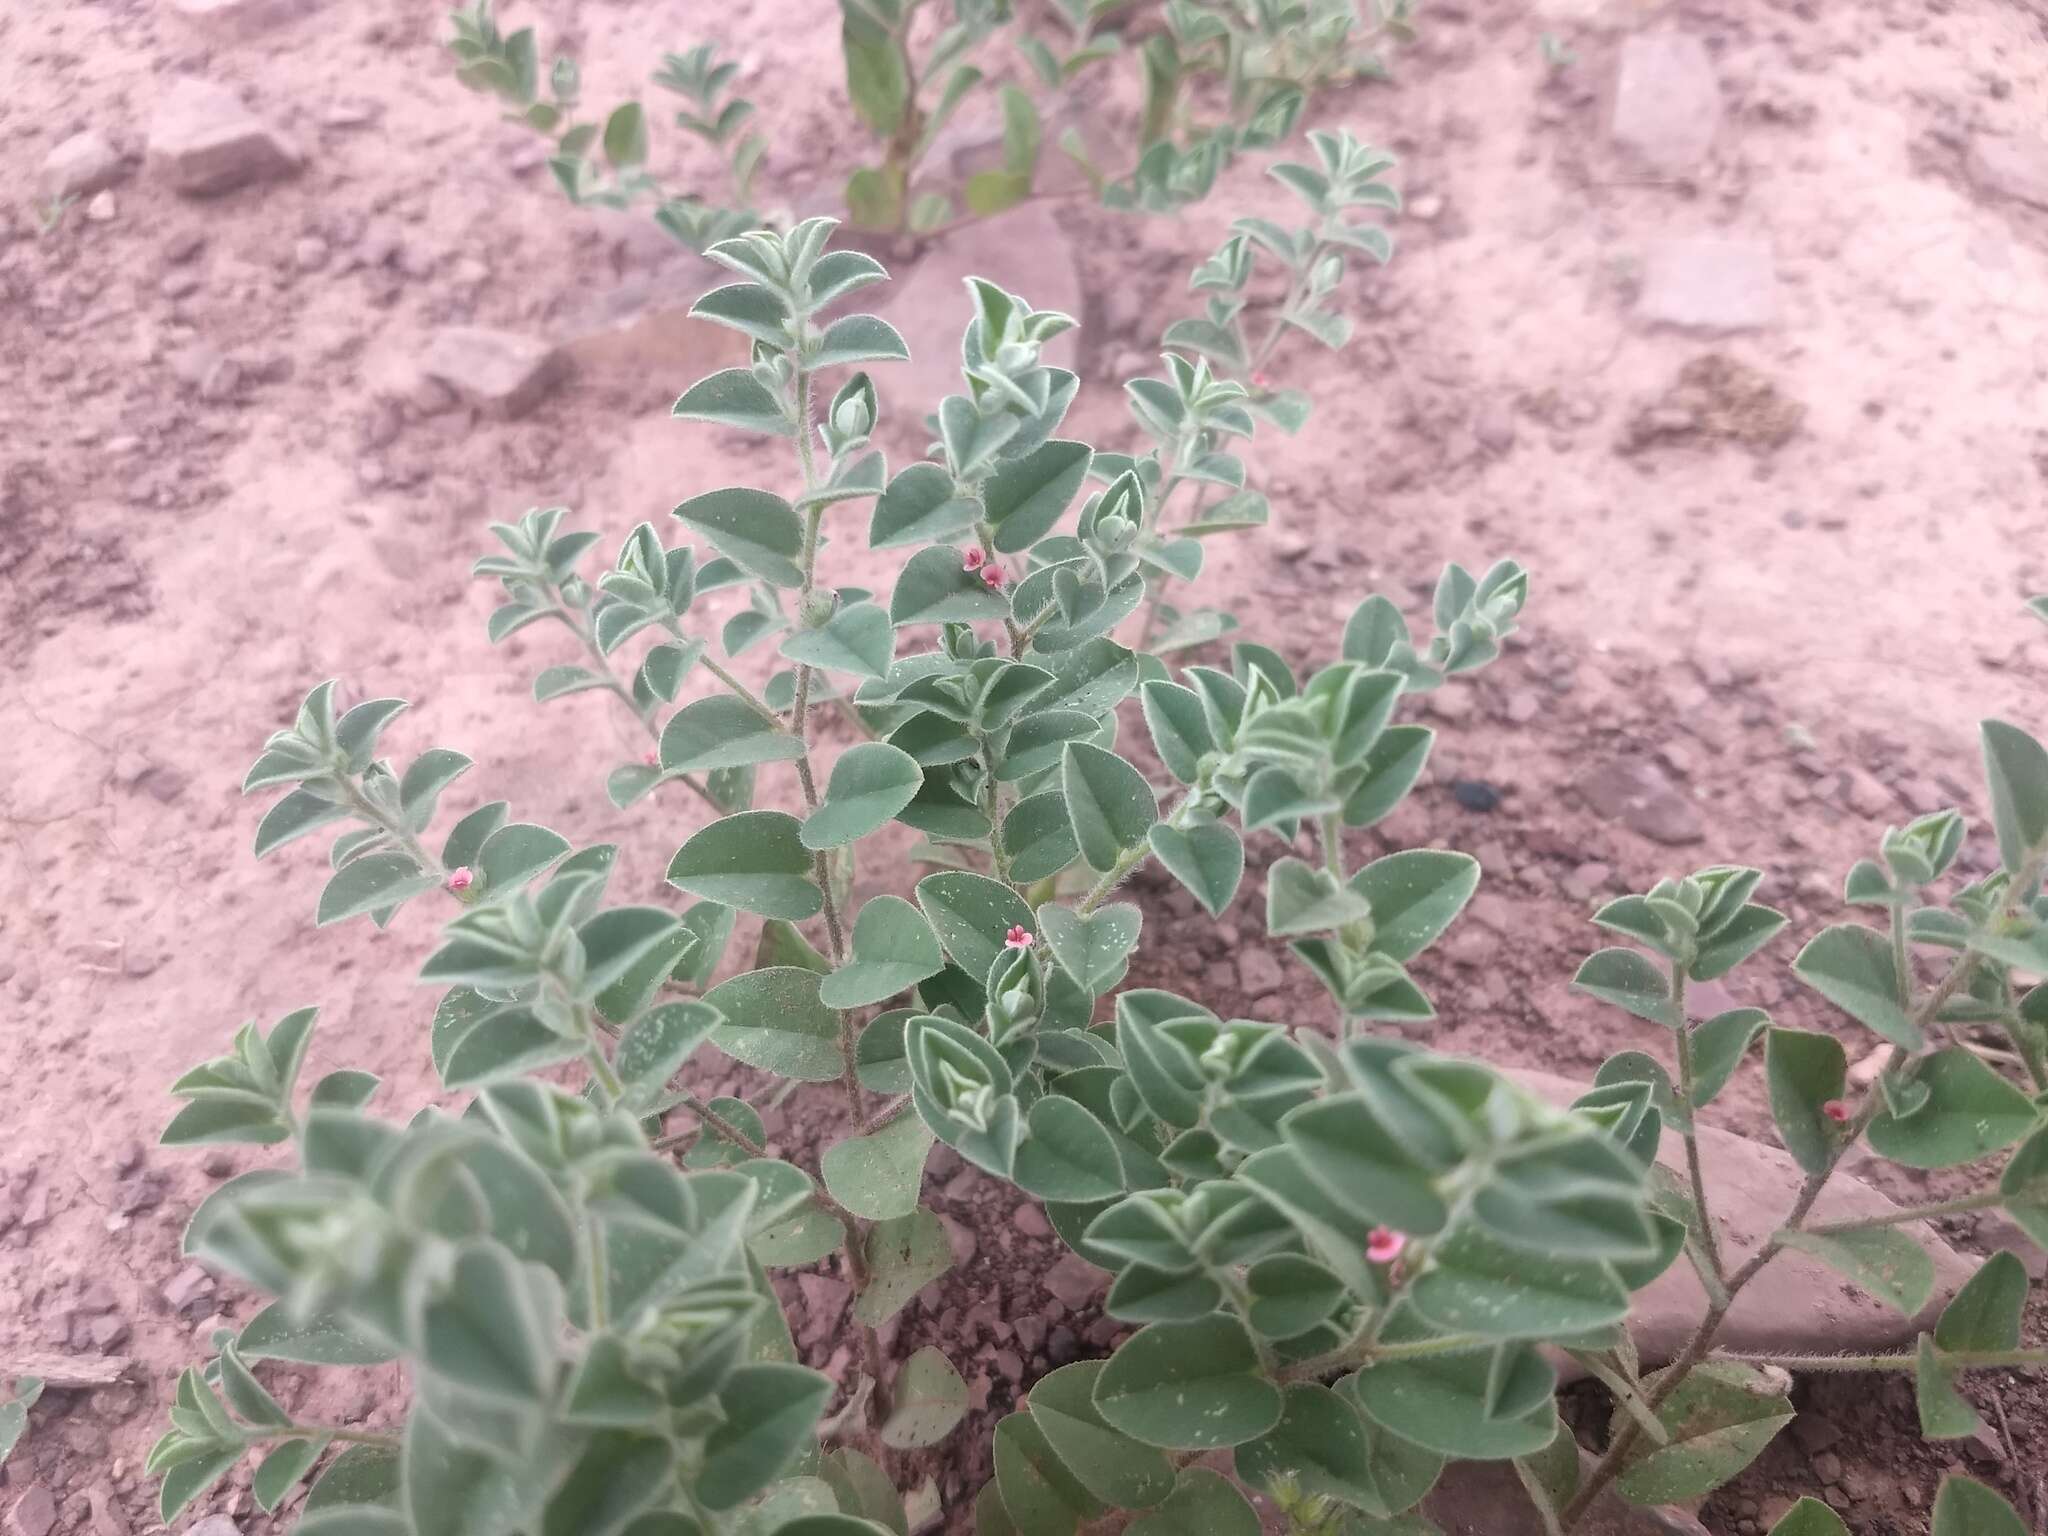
{"x": 1794, "y": 641}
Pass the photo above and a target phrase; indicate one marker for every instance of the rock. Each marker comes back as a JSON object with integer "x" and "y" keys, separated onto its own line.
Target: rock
{"x": 1709, "y": 283}
{"x": 309, "y": 253}
{"x": 1997, "y": 1230}
{"x": 499, "y": 373}
{"x": 1258, "y": 973}
{"x": 1865, "y": 794}
{"x": 203, "y": 141}
{"x": 1024, "y": 251}
{"x": 1667, "y": 101}
{"x": 187, "y": 1287}
{"x": 80, "y": 166}
{"x": 1030, "y": 1220}
{"x": 34, "y": 1513}
{"x": 1637, "y": 793}
{"x": 641, "y": 332}
{"x": 108, "y": 1333}
{"x": 101, "y": 210}
{"x": 1475, "y": 795}
{"x": 1486, "y": 1498}
{"x": 1796, "y": 1304}
{"x": 825, "y": 1301}
{"x": 1074, "y": 1282}
{"x": 214, "y": 1525}
{"x": 2010, "y": 167}
{"x": 240, "y": 18}
{"x": 1495, "y": 426}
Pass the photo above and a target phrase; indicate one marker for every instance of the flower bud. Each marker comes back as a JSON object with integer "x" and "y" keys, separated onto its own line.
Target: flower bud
{"x": 851, "y": 419}
{"x": 461, "y": 879}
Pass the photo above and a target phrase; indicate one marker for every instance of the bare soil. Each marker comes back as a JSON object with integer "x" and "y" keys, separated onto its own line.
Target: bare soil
{"x": 1778, "y": 581}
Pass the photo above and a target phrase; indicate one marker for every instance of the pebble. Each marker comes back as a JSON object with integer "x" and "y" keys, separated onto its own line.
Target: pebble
{"x": 1495, "y": 427}
{"x": 1258, "y": 973}
{"x": 1030, "y": 1220}
{"x": 310, "y": 253}
{"x": 498, "y": 372}
{"x": 34, "y": 1513}
{"x": 81, "y": 165}
{"x": 1709, "y": 283}
{"x": 189, "y": 1285}
{"x": 1074, "y": 1282}
{"x": 1475, "y": 795}
{"x": 1638, "y": 794}
{"x": 1667, "y": 101}
{"x": 203, "y": 141}
{"x": 101, "y": 209}
{"x": 2016, "y": 168}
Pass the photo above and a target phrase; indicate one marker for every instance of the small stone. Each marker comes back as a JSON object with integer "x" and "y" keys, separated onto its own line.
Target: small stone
{"x": 1074, "y": 1282}
{"x": 1997, "y": 1231}
{"x": 1475, "y": 795}
{"x": 309, "y": 253}
{"x": 1258, "y": 973}
{"x": 189, "y": 1285}
{"x": 1864, "y": 794}
{"x": 1495, "y": 427}
{"x": 1637, "y": 793}
{"x": 239, "y": 18}
{"x": 1827, "y": 1466}
{"x": 1062, "y": 1347}
{"x": 1709, "y": 283}
{"x": 2010, "y": 167}
{"x": 137, "y": 1194}
{"x": 182, "y": 248}
{"x": 825, "y": 1301}
{"x": 214, "y": 1525}
{"x": 203, "y": 141}
{"x": 181, "y": 284}
{"x": 101, "y": 209}
{"x": 218, "y": 1163}
{"x": 1009, "y": 1363}
{"x": 1030, "y": 1220}
{"x": 1523, "y": 705}
{"x": 1815, "y": 1432}
{"x": 1289, "y": 548}
{"x": 499, "y": 373}
{"x": 83, "y": 164}
{"x": 34, "y": 1513}
{"x": 108, "y": 1333}
{"x": 129, "y": 1158}
{"x": 1030, "y": 1333}
{"x": 1667, "y": 101}
{"x": 1586, "y": 881}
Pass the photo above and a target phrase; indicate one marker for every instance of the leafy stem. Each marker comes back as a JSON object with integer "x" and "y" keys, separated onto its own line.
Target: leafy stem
{"x": 1900, "y": 1215}
{"x": 1710, "y": 1241}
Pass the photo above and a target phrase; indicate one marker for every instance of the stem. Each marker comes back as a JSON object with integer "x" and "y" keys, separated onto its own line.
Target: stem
{"x": 1131, "y": 858}
{"x": 1333, "y": 845}
{"x": 988, "y": 553}
{"x": 577, "y": 620}
{"x": 1962, "y": 1359}
{"x": 1982, "y": 1200}
{"x": 1710, "y": 1243}
{"x": 746, "y": 695}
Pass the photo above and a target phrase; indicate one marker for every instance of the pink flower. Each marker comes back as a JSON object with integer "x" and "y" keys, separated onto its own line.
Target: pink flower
{"x": 972, "y": 560}
{"x": 1019, "y": 937}
{"x": 1260, "y": 381}
{"x": 1836, "y": 1111}
{"x": 653, "y": 759}
{"x": 993, "y": 578}
{"x": 1383, "y": 1245}
{"x": 461, "y": 880}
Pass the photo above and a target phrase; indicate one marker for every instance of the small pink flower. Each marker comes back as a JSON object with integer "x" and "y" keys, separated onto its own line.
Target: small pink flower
{"x": 1383, "y": 1245}
{"x": 972, "y": 560}
{"x": 1836, "y": 1111}
{"x": 1019, "y": 937}
{"x": 461, "y": 880}
{"x": 993, "y": 578}
{"x": 653, "y": 759}
{"x": 1260, "y": 381}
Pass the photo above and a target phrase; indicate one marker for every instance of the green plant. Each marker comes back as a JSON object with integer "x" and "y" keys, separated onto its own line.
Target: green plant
{"x": 1345, "y": 1250}
{"x": 14, "y": 1413}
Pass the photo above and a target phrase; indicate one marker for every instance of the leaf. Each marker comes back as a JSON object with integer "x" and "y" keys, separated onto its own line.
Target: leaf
{"x": 1628, "y": 980}
{"x": 625, "y": 136}
{"x": 934, "y": 588}
{"x": 927, "y": 1400}
{"x": 893, "y": 949}
{"x": 1188, "y": 1386}
{"x": 1026, "y": 496}
{"x": 1206, "y": 856}
{"x": 1970, "y": 1111}
{"x": 870, "y": 784}
{"x": 1809, "y": 1517}
{"x": 1389, "y": 771}
{"x": 1986, "y": 1312}
{"x": 1751, "y": 927}
{"x": 1718, "y": 1047}
{"x": 759, "y": 532}
{"x": 876, "y": 81}
{"x": 1319, "y": 1447}
{"x": 1851, "y": 966}
{"x": 370, "y": 884}
{"x": 279, "y": 1471}
{"x": 1478, "y": 1285}
{"x": 904, "y": 1256}
{"x": 877, "y": 1176}
{"x": 1067, "y": 1155}
{"x": 1040, "y": 1495}
{"x": 859, "y": 339}
{"x": 1440, "y": 1402}
{"x": 277, "y": 1333}
{"x": 1117, "y": 1470}
{"x": 1717, "y": 1422}
{"x": 972, "y": 915}
{"x": 1967, "y": 1508}
{"x": 755, "y": 861}
{"x": 722, "y": 731}
{"x": 483, "y": 1331}
{"x": 734, "y": 397}
{"x": 2016, "y": 770}
{"x": 1038, "y": 838}
{"x": 774, "y": 1019}
{"x": 1805, "y": 1070}
{"x": 919, "y": 507}
{"x": 1882, "y": 1260}
{"x": 858, "y": 639}
{"x": 657, "y": 1043}
{"x": 1363, "y": 1166}
{"x": 1415, "y": 895}
{"x": 1945, "y": 1414}
{"x": 771, "y": 1411}
{"x": 1306, "y": 898}
{"x": 1204, "y": 1503}
{"x": 1094, "y": 950}
{"x": 1109, "y": 802}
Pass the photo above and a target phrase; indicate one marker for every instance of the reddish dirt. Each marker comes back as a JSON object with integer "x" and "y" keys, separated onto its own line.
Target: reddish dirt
{"x": 1795, "y": 633}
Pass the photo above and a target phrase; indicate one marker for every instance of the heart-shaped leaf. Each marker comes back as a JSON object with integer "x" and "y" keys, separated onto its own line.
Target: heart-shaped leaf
{"x": 858, "y": 639}
{"x": 1095, "y": 950}
{"x": 893, "y": 949}
{"x": 1109, "y": 802}
{"x": 870, "y": 784}
{"x": 1206, "y": 856}
{"x": 755, "y": 861}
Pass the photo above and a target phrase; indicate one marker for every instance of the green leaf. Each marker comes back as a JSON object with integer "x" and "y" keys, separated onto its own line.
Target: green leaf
{"x": 1986, "y": 1312}
{"x": 1751, "y": 927}
{"x": 870, "y": 783}
{"x": 972, "y": 916}
{"x": 1882, "y": 1260}
{"x": 188, "y": 1479}
{"x": 625, "y": 136}
{"x": 1364, "y": 1166}
{"x": 1440, "y": 1402}
{"x": 1628, "y": 980}
{"x": 1945, "y": 1414}
{"x": 755, "y": 861}
{"x": 1188, "y": 1386}
{"x": 1206, "y": 856}
{"x": 1068, "y": 1154}
{"x": 771, "y": 1411}
{"x": 1179, "y": 727}
{"x": 927, "y": 1400}
{"x": 1111, "y": 1466}
{"x": 277, "y": 1333}
{"x": 990, "y": 192}
{"x": 775, "y": 1019}
{"x": 1478, "y": 1285}
{"x": 1966, "y": 1508}
{"x": 876, "y": 81}
{"x": 904, "y": 1256}
{"x": 1970, "y": 1111}
{"x": 919, "y": 507}
{"x": 734, "y": 397}
{"x": 721, "y": 731}
{"x": 1095, "y": 950}
{"x": 789, "y": 1228}
{"x": 370, "y": 884}
{"x": 1306, "y": 898}
{"x": 1026, "y": 496}
{"x": 1805, "y": 1070}
{"x": 858, "y": 639}
{"x": 1717, "y": 1422}
{"x": 893, "y": 949}
{"x": 656, "y": 1044}
{"x": 758, "y": 532}
{"x": 1037, "y": 742}
{"x": 874, "y": 198}
{"x": 1040, "y": 1495}
{"x": 1851, "y": 966}
{"x": 1389, "y": 771}
{"x": 935, "y": 588}
{"x": 1038, "y": 838}
{"x": 877, "y": 1176}
{"x": 1204, "y": 1503}
{"x": 1718, "y": 1047}
{"x": 1415, "y": 895}
{"x": 1290, "y": 1294}
{"x": 1319, "y": 1447}
{"x": 859, "y": 339}
{"x": 1809, "y": 1517}
{"x": 1109, "y": 802}
{"x": 2016, "y": 769}
{"x": 484, "y": 1332}
{"x": 279, "y": 1471}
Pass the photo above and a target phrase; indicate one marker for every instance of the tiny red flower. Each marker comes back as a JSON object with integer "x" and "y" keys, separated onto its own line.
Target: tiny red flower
{"x": 461, "y": 880}
{"x": 972, "y": 560}
{"x": 993, "y": 578}
{"x": 1383, "y": 1245}
{"x": 1260, "y": 381}
{"x": 1836, "y": 1111}
{"x": 1019, "y": 937}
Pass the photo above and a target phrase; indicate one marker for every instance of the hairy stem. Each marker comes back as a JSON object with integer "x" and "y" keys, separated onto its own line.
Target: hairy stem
{"x": 1961, "y": 1359}
{"x": 579, "y": 622}
{"x": 1982, "y": 1200}
{"x": 1710, "y": 1241}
